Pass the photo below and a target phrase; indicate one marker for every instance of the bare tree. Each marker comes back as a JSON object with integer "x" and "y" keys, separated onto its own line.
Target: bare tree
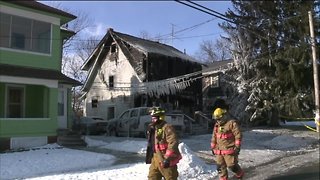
{"x": 210, "y": 51}
{"x": 76, "y": 50}
{"x": 158, "y": 38}
{"x": 223, "y": 50}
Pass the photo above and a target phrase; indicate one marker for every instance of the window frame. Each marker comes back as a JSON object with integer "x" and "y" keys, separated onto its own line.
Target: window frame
{"x": 33, "y": 41}
{"x": 23, "y": 106}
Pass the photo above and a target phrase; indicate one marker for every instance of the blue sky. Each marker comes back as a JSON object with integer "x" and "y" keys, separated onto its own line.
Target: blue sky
{"x": 153, "y": 17}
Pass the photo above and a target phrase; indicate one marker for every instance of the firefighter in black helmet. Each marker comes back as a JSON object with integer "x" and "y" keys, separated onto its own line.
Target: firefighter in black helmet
{"x": 162, "y": 151}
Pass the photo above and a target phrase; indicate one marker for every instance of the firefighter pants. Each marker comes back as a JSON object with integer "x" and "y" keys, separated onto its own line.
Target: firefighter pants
{"x": 156, "y": 172}
{"x": 227, "y": 161}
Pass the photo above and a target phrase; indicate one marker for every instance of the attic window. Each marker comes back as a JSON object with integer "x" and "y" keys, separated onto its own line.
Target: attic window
{"x": 113, "y": 48}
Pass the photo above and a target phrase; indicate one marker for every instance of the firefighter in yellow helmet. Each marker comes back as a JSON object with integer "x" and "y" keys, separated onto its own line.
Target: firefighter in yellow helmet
{"x": 162, "y": 151}
{"x": 226, "y": 143}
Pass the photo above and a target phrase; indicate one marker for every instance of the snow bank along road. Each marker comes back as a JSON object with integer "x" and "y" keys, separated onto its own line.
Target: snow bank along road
{"x": 266, "y": 153}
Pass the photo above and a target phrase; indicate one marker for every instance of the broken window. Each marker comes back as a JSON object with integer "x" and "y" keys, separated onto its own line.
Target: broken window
{"x": 113, "y": 48}
{"x": 94, "y": 103}
{"x": 111, "y": 82}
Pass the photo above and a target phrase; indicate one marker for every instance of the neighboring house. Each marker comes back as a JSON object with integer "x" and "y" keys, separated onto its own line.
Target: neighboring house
{"x": 211, "y": 83}
{"x": 127, "y": 71}
{"x": 34, "y": 94}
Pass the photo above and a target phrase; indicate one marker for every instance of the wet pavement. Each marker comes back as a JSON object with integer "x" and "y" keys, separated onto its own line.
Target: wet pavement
{"x": 122, "y": 157}
{"x": 310, "y": 172}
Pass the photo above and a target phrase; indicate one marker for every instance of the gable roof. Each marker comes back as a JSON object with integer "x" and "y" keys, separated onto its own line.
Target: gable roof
{"x": 144, "y": 45}
{"x": 21, "y": 71}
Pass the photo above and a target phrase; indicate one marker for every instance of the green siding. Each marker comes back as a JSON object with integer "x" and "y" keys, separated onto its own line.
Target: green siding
{"x": 41, "y": 102}
{"x": 20, "y": 128}
{"x": 35, "y": 107}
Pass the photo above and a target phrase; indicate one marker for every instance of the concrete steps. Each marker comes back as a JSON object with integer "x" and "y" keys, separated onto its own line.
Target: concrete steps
{"x": 197, "y": 129}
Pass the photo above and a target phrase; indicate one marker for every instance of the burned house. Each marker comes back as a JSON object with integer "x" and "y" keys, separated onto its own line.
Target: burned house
{"x": 126, "y": 71}
{"x": 212, "y": 83}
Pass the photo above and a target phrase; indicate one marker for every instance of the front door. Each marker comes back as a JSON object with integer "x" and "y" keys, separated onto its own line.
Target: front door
{"x": 62, "y": 108}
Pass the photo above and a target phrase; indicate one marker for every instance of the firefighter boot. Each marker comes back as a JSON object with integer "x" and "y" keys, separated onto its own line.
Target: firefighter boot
{"x": 239, "y": 175}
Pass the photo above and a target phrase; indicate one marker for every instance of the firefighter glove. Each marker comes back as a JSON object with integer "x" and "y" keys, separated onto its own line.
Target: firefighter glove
{"x": 165, "y": 163}
{"x": 236, "y": 150}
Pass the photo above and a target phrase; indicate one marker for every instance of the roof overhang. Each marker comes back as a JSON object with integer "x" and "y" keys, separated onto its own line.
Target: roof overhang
{"x": 35, "y": 73}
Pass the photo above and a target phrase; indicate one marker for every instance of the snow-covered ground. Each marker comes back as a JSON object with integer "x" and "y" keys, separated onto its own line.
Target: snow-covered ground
{"x": 264, "y": 152}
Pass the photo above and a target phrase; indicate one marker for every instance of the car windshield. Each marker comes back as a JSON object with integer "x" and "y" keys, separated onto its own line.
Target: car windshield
{"x": 124, "y": 115}
{"x": 144, "y": 112}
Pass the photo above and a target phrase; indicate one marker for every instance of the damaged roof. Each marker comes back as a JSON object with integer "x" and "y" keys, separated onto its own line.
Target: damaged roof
{"x": 144, "y": 45}
{"x": 149, "y": 46}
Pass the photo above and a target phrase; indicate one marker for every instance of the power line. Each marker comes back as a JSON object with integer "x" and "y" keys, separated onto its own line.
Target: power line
{"x": 239, "y": 25}
{"x": 191, "y": 27}
{"x": 205, "y": 11}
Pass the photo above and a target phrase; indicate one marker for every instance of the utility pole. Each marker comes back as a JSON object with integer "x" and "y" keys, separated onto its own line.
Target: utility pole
{"x": 315, "y": 73}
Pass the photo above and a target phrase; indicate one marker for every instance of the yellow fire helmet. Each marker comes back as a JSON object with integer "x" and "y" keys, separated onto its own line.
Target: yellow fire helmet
{"x": 157, "y": 111}
{"x": 218, "y": 113}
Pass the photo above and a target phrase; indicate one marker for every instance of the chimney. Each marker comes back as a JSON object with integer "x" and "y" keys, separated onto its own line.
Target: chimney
{"x": 110, "y": 29}
{"x": 184, "y": 51}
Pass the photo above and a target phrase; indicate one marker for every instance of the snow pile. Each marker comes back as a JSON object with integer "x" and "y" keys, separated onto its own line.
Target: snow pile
{"x": 191, "y": 166}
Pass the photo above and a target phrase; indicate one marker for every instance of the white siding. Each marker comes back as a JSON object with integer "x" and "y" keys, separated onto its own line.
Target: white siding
{"x": 124, "y": 75}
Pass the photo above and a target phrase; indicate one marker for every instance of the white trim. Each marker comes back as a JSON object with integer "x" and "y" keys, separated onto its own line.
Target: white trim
{"x": 28, "y": 14}
{"x": 23, "y": 99}
{"x": 67, "y": 86}
{"x": 27, "y": 142}
{"x": 34, "y": 81}
{"x": 26, "y": 51}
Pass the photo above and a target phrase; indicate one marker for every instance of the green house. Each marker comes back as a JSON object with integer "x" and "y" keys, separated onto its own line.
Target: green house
{"x": 34, "y": 95}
